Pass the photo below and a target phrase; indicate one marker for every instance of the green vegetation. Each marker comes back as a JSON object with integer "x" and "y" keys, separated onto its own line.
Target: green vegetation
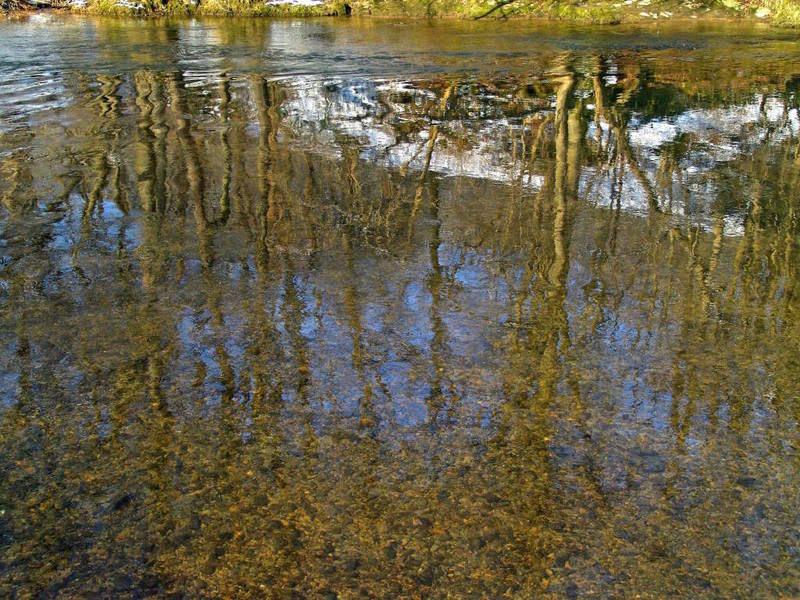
{"x": 784, "y": 13}
{"x": 218, "y": 8}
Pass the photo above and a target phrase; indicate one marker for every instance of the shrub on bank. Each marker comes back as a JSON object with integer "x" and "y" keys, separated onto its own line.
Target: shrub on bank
{"x": 776, "y": 12}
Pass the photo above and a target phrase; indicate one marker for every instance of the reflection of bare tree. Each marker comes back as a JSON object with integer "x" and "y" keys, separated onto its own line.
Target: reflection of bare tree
{"x": 267, "y": 98}
{"x": 150, "y": 141}
{"x": 435, "y": 281}
{"x": 616, "y": 119}
{"x": 194, "y": 169}
{"x": 17, "y": 197}
{"x": 224, "y": 102}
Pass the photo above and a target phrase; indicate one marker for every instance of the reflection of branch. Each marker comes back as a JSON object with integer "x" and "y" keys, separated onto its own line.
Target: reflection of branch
{"x": 622, "y": 144}
{"x": 535, "y": 145}
{"x": 434, "y": 133}
{"x": 624, "y": 147}
{"x": 224, "y": 100}
{"x": 497, "y": 6}
{"x": 625, "y": 150}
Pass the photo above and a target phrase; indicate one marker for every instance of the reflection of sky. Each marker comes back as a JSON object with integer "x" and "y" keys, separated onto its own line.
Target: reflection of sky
{"x": 26, "y": 93}
{"x": 474, "y": 321}
{"x": 364, "y": 112}
{"x": 723, "y": 130}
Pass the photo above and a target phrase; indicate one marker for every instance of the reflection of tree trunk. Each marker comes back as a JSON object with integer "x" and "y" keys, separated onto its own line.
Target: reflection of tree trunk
{"x": 194, "y": 171}
{"x": 157, "y": 333}
{"x": 109, "y": 100}
{"x": 435, "y": 284}
{"x": 264, "y": 354}
{"x": 718, "y": 231}
{"x": 101, "y": 171}
{"x": 102, "y": 147}
{"x": 599, "y": 102}
{"x": 150, "y": 166}
{"x": 432, "y": 135}
{"x": 293, "y": 321}
{"x": 267, "y": 100}
{"x": 144, "y": 160}
{"x": 224, "y": 100}
{"x": 623, "y": 147}
{"x": 559, "y": 185}
{"x": 352, "y": 306}
{"x": 356, "y": 214}
{"x": 540, "y": 348}
{"x": 542, "y": 127}
{"x": 118, "y": 191}
{"x": 305, "y": 202}
{"x": 576, "y": 130}
{"x": 159, "y": 129}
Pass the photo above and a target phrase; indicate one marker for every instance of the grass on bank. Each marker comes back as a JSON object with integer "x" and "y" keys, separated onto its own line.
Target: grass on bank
{"x": 783, "y": 12}
{"x": 221, "y": 8}
{"x": 777, "y": 12}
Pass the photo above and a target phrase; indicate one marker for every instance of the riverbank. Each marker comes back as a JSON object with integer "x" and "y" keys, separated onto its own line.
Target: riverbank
{"x": 782, "y": 13}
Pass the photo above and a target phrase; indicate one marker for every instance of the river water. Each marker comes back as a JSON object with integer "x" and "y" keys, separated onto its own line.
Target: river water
{"x": 341, "y": 309}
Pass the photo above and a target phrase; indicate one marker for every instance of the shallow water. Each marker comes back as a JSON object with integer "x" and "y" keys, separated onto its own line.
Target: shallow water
{"x": 369, "y": 309}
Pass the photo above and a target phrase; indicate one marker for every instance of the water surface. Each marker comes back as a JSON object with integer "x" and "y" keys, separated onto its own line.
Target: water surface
{"x": 340, "y": 309}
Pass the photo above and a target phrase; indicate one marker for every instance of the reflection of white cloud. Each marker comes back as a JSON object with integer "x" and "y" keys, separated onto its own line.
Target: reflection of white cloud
{"x": 718, "y": 135}
{"x": 372, "y": 114}
{"x": 353, "y": 109}
{"x": 720, "y": 128}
